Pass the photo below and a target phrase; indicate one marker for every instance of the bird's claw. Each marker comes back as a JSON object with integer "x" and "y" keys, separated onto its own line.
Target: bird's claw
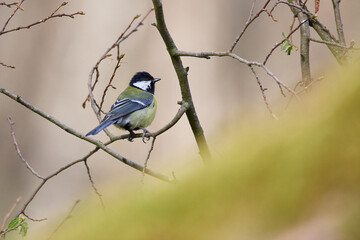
{"x": 130, "y": 137}
{"x": 143, "y": 135}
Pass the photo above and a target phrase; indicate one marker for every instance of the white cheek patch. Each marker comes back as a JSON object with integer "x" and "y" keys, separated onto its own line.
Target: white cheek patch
{"x": 144, "y": 85}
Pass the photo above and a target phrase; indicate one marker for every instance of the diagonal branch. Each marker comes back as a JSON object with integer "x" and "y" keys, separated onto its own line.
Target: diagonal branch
{"x": 111, "y": 79}
{"x": 19, "y": 152}
{"x": 262, "y": 89}
{"x": 148, "y": 157}
{"x": 321, "y": 30}
{"x": 2, "y": 227}
{"x": 182, "y": 110}
{"x": 123, "y": 36}
{"x": 338, "y": 21}
{"x": 250, "y": 20}
{"x": 183, "y": 82}
{"x": 285, "y": 39}
{"x": 184, "y": 107}
{"x": 82, "y": 136}
{"x": 93, "y": 184}
{"x": 53, "y": 15}
{"x": 11, "y": 16}
{"x": 65, "y": 220}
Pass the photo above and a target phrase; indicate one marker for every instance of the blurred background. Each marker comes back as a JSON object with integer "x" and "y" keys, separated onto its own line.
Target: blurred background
{"x": 53, "y": 61}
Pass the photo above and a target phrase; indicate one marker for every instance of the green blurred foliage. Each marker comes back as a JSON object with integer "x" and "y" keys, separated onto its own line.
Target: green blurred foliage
{"x": 268, "y": 179}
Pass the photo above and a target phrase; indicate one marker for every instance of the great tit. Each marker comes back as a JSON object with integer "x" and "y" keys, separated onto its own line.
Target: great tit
{"x": 135, "y": 107}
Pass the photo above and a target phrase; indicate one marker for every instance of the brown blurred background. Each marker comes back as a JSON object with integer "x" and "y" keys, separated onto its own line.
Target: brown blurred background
{"x": 53, "y": 61}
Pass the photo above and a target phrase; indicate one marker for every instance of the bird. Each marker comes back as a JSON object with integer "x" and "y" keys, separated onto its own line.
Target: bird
{"x": 135, "y": 107}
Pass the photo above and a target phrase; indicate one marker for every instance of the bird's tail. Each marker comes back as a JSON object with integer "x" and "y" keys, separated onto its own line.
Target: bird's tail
{"x": 99, "y": 128}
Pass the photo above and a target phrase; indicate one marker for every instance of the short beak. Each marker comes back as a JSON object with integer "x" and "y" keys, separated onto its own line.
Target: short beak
{"x": 156, "y": 79}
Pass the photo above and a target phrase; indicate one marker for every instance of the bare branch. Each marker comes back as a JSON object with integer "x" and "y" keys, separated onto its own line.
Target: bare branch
{"x": 240, "y": 59}
{"x": 93, "y": 184}
{"x": 320, "y": 29}
{"x": 287, "y": 38}
{"x": 53, "y": 175}
{"x": 32, "y": 219}
{"x": 66, "y": 219}
{"x": 5, "y": 65}
{"x": 263, "y": 94}
{"x": 182, "y": 110}
{"x": 9, "y": 5}
{"x": 351, "y": 47}
{"x": 311, "y": 83}
{"x": 249, "y": 21}
{"x": 184, "y": 107}
{"x": 338, "y": 21}
{"x": 147, "y": 158}
{"x": 124, "y": 35}
{"x": 304, "y": 45}
{"x": 82, "y": 136}
{"x": 19, "y": 152}
{"x": 11, "y": 16}
{"x": 53, "y": 15}
{"x": 181, "y": 72}
{"x": 111, "y": 79}
{"x": 6, "y": 217}
{"x": 251, "y": 11}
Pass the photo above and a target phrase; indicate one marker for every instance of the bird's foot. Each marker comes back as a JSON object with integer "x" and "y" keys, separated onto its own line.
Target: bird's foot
{"x": 143, "y": 135}
{"x": 130, "y": 137}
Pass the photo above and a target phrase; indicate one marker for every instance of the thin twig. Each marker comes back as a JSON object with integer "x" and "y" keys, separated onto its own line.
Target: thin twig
{"x": 147, "y": 158}
{"x": 248, "y": 22}
{"x": 181, "y": 111}
{"x": 287, "y": 38}
{"x": 82, "y": 136}
{"x": 179, "y": 114}
{"x": 5, "y": 65}
{"x": 19, "y": 152}
{"x": 11, "y": 16}
{"x": 291, "y": 28}
{"x": 93, "y": 184}
{"x": 66, "y": 219}
{"x": 251, "y": 11}
{"x": 9, "y": 5}
{"x": 263, "y": 94}
{"x": 300, "y": 83}
{"x": 110, "y": 81}
{"x": 72, "y": 15}
{"x": 322, "y": 31}
{"x": 311, "y": 83}
{"x": 6, "y": 217}
{"x": 31, "y": 218}
{"x": 351, "y": 47}
{"x": 53, "y": 175}
{"x": 184, "y": 107}
{"x": 240, "y": 59}
{"x": 124, "y": 35}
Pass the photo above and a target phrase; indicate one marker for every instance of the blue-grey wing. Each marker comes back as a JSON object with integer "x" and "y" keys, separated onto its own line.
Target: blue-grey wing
{"x": 125, "y": 106}
{"x": 120, "y": 109}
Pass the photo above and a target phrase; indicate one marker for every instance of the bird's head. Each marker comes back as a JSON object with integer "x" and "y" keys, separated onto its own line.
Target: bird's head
{"x": 144, "y": 81}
